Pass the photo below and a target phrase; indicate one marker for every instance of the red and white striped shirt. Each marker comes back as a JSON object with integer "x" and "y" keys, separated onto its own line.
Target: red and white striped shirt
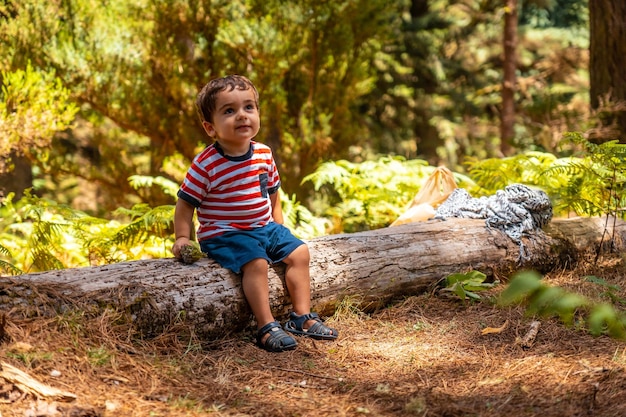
{"x": 231, "y": 193}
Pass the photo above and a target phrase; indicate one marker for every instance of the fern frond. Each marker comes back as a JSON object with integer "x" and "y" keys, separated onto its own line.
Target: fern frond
{"x": 44, "y": 260}
{"x": 9, "y": 268}
{"x": 169, "y": 187}
{"x": 153, "y": 222}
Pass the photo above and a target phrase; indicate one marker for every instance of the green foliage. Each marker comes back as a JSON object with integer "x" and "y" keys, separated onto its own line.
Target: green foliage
{"x": 7, "y": 267}
{"x": 146, "y": 223}
{"x": 527, "y": 168}
{"x": 99, "y": 356}
{"x": 33, "y": 107}
{"x": 39, "y": 235}
{"x": 465, "y": 286}
{"x": 438, "y": 88}
{"x": 169, "y": 187}
{"x": 136, "y": 67}
{"x": 596, "y": 182}
{"x": 610, "y": 289}
{"x": 338, "y": 80}
{"x": 30, "y": 358}
{"x": 541, "y": 299}
{"x": 300, "y": 220}
{"x": 371, "y": 194}
{"x": 554, "y": 13}
{"x": 590, "y": 184}
{"x": 603, "y": 318}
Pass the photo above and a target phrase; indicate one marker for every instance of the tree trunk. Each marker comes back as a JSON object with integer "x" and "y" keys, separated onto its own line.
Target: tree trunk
{"x": 18, "y": 178}
{"x": 368, "y": 269}
{"x": 607, "y": 65}
{"x": 507, "y": 122}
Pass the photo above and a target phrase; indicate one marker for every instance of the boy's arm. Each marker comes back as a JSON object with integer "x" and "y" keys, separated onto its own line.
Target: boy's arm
{"x": 183, "y": 225}
{"x": 277, "y": 210}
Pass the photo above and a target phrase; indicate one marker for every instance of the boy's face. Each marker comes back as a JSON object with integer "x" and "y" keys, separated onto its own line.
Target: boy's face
{"x": 235, "y": 121}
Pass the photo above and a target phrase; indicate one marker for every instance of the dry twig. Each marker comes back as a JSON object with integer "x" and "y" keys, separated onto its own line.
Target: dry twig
{"x": 528, "y": 340}
{"x": 30, "y": 385}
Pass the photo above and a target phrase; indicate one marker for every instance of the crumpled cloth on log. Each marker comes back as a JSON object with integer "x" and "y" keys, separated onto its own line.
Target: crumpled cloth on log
{"x": 516, "y": 210}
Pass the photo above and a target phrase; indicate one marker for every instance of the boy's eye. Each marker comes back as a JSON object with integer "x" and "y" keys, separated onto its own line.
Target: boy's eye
{"x": 228, "y": 110}
{"x": 250, "y": 107}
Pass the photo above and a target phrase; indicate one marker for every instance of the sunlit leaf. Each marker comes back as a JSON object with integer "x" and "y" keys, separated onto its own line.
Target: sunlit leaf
{"x": 520, "y": 287}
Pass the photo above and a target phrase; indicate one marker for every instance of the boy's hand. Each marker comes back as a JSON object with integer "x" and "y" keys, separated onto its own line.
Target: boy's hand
{"x": 179, "y": 244}
{"x": 187, "y": 251}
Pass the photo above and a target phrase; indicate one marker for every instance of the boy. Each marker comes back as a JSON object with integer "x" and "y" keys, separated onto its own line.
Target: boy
{"x": 233, "y": 184}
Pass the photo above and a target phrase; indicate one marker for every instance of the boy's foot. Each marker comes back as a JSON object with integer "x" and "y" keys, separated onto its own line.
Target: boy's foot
{"x": 276, "y": 340}
{"x": 317, "y": 329}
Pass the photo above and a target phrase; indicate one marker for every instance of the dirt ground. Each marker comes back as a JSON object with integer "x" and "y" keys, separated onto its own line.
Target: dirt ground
{"x": 425, "y": 356}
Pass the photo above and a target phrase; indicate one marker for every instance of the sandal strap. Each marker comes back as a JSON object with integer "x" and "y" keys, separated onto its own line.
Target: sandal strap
{"x": 317, "y": 330}
{"x": 320, "y": 329}
{"x": 269, "y": 326}
{"x": 300, "y": 320}
{"x": 278, "y": 340}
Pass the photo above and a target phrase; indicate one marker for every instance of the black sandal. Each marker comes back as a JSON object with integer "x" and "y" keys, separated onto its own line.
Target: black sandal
{"x": 317, "y": 331}
{"x": 278, "y": 340}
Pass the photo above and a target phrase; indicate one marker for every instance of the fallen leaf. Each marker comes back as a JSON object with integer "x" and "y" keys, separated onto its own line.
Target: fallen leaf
{"x": 495, "y": 330}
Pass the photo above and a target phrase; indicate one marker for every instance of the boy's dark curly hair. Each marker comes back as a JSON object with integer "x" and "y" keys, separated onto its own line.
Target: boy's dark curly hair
{"x": 207, "y": 97}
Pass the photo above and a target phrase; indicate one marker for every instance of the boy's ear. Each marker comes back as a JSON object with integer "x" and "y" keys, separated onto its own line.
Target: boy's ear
{"x": 208, "y": 128}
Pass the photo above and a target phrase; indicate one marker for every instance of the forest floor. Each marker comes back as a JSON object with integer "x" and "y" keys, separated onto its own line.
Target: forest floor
{"x": 424, "y": 356}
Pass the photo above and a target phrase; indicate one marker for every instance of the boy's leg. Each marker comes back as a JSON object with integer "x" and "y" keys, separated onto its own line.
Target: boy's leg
{"x": 270, "y": 335}
{"x": 298, "y": 279}
{"x": 256, "y": 289}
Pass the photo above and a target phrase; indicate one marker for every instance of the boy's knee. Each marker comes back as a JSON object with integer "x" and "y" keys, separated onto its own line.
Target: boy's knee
{"x": 299, "y": 256}
{"x": 255, "y": 266}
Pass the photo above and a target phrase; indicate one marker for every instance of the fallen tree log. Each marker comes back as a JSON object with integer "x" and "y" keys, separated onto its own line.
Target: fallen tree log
{"x": 371, "y": 268}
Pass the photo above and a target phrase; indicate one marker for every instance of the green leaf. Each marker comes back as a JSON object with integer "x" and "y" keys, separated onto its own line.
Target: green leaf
{"x": 543, "y": 299}
{"x": 601, "y": 318}
{"x": 474, "y": 277}
{"x": 472, "y": 295}
{"x": 523, "y": 285}
{"x": 458, "y": 290}
{"x": 566, "y": 306}
{"x": 602, "y": 282}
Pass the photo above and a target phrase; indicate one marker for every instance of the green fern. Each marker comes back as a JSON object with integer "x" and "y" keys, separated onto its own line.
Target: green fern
{"x": 371, "y": 194}
{"x": 529, "y": 168}
{"x": 146, "y": 221}
{"x": 300, "y": 220}
{"x": 603, "y": 173}
{"x": 143, "y": 181}
{"x": 589, "y": 184}
{"x": 38, "y": 234}
{"x": 7, "y": 267}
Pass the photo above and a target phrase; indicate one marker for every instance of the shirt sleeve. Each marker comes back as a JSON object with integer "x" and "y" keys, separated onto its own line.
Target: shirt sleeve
{"x": 195, "y": 185}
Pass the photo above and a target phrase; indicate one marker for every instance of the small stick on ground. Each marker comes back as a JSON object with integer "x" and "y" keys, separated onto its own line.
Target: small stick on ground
{"x": 528, "y": 340}
{"x": 26, "y": 383}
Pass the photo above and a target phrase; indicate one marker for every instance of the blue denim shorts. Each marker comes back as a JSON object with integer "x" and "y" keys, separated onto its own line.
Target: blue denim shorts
{"x": 232, "y": 250}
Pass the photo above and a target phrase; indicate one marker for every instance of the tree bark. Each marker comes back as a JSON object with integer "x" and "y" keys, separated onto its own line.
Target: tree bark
{"x": 607, "y": 65}
{"x": 366, "y": 269}
{"x": 507, "y": 123}
{"x": 18, "y": 178}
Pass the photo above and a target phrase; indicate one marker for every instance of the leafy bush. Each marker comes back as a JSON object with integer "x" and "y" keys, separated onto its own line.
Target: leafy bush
{"x": 39, "y": 235}
{"x": 548, "y": 301}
